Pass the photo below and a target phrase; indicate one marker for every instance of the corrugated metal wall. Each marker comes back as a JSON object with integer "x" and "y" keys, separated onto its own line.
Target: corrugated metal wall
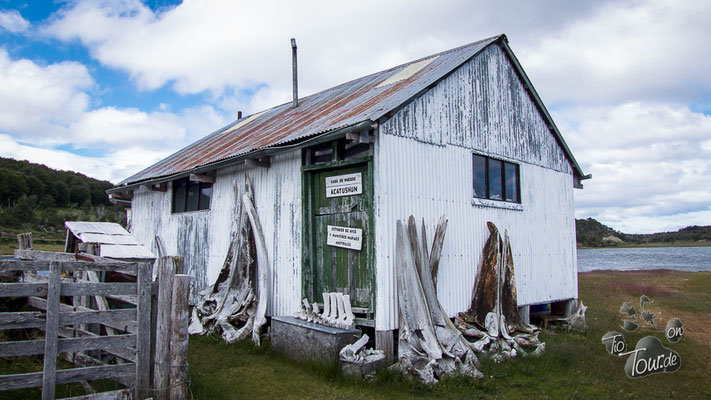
{"x": 423, "y": 168}
{"x": 482, "y": 105}
{"x": 203, "y": 237}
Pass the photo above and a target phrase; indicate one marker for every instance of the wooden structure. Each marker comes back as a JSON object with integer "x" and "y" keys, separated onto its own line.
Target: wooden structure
{"x": 106, "y": 342}
{"x": 461, "y": 133}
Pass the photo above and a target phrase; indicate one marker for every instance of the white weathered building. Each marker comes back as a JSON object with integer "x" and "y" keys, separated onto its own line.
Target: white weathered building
{"x": 461, "y": 133}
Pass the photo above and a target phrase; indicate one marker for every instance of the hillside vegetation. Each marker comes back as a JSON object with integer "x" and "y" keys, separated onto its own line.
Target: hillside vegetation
{"x": 37, "y": 198}
{"x": 592, "y": 233}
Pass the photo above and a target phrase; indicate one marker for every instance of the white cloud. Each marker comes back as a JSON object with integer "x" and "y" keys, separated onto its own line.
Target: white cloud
{"x": 222, "y": 45}
{"x": 38, "y": 102}
{"x": 48, "y": 106}
{"x": 12, "y": 21}
{"x": 626, "y": 51}
{"x": 113, "y": 167}
{"x": 621, "y": 75}
{"x": 649, "y": 161}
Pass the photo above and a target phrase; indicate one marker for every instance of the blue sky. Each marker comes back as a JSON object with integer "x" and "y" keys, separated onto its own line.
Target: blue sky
{"x": 109, "y": 87}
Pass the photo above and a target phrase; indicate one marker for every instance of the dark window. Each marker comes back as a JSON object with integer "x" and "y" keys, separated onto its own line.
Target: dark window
{"x": 479, "y": 163}
{"x": 191, "y": 196}
{"x": 511, "y": 186}
{"x": 180, "y": 190}
{"x": 496, "y": 189}
{"x": 495, "y": 179}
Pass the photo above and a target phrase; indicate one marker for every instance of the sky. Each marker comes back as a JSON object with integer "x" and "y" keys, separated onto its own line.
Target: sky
{"x": 108, "y": 88}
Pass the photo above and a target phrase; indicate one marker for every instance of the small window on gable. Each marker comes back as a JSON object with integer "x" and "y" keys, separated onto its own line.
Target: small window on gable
{"x": 496, "y": 179}
{"x": 191, "y": 196}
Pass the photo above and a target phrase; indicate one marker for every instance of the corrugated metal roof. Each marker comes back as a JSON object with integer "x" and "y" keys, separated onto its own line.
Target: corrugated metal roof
{"x": 363, "y": 99}
{"x": 114, "y": 240}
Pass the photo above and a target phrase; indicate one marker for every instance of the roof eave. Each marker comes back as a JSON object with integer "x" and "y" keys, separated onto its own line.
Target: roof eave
{"x": 265, "y": 151}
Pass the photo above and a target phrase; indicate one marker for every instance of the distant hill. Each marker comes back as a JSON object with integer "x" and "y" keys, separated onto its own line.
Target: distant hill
{"x": 36, "y": 197}
{"x": 591, "y": 233}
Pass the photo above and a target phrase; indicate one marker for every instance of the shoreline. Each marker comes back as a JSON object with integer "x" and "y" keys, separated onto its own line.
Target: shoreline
{"x": 646, "y": 245}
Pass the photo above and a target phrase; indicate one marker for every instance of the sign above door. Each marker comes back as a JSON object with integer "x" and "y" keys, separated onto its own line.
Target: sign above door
{"x": 344, "y": 185}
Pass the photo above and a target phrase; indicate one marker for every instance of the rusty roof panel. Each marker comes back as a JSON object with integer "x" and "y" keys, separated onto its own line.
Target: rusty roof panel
{"x": 364, "y": 99}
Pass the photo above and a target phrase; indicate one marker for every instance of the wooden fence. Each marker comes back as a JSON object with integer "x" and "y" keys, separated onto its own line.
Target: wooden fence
{"x": 75, "y": 330}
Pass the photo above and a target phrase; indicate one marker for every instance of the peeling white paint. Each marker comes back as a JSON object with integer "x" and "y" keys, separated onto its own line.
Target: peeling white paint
{"x": 423, "y": 167}
{"x": 203, "y": 237}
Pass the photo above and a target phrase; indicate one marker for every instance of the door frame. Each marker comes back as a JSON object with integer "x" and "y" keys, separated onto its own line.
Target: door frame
{"x": 307, "y": 223}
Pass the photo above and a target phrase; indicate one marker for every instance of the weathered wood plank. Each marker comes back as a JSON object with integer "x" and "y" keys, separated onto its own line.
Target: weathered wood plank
{"x": 98, "y": 288}
{"x": 50, "y": 342}
{"x": 143, "y": 331}
{"x": 21, "y": 348}
{"x": 94, "y": 373}
{"x": 101, "y": 301}
{"x": 161, "y": 374}
{"x": 123, "y": 394}
{"x": 113, "y": 289}
{"x": 126, "y": 298}
{"x": 41, "y": 304}
{"x": 126, "y": 353}
{"x": 23, "y": 289}
{"x": 180, "y": 319}
{"x": 43, "y": 265}
{"x": 22, "y": 320}
{"x": 20, "y": 381}
{"x": 83, "y": 360}
{"x": 97, "y": 316}
{"x": 67, "y": 345}
{"x": 34, "y": 379}
{"x": 202, "y": 178}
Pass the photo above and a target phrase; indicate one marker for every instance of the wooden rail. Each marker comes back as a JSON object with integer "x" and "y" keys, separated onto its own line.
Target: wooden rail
{"x": 131, "y": 344}
{"x": 150, "y": 334}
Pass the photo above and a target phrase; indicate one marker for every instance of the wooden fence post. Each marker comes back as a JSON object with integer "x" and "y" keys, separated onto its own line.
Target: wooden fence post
{"x": 24, "y": 241}
{"x": 161, "y": 376}
{"x": 49, "y": 375}
{"x": 143, "y": 331}
{"x": 180, "y": 320}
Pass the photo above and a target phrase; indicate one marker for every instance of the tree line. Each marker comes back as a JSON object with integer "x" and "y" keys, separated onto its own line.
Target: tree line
{"x": 591, "y": 233}
{"x": 34, "y": 196}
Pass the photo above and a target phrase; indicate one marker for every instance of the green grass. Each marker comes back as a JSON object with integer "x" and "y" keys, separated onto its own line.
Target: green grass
{"x": 574, "y": 365}
{"x": 8, "y": 246}
{"x": 40, "y": 240}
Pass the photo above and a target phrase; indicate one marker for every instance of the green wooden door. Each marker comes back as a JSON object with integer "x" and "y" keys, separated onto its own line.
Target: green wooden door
{"x": 341, "y": 233}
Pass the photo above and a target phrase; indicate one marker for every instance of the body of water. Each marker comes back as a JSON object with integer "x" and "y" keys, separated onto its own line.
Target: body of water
{"x": 641, "y": 258}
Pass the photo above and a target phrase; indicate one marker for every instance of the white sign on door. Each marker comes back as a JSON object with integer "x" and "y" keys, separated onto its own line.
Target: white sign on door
{"x": 344, "y": 185}
{"x": 345, "y": 237}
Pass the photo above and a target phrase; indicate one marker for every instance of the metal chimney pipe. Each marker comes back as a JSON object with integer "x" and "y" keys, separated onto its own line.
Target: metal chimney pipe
{"x": 239, "y": 115}
{"x": 293, "y": 72}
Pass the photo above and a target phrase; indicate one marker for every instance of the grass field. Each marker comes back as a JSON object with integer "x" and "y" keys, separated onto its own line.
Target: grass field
{"x": 574, "y": 365}
{"x": 41, "y": 241}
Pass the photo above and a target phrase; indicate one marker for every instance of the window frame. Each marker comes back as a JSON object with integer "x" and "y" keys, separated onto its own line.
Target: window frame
{"x": 197, "y": 189}
{"x": 486, "y": 197}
